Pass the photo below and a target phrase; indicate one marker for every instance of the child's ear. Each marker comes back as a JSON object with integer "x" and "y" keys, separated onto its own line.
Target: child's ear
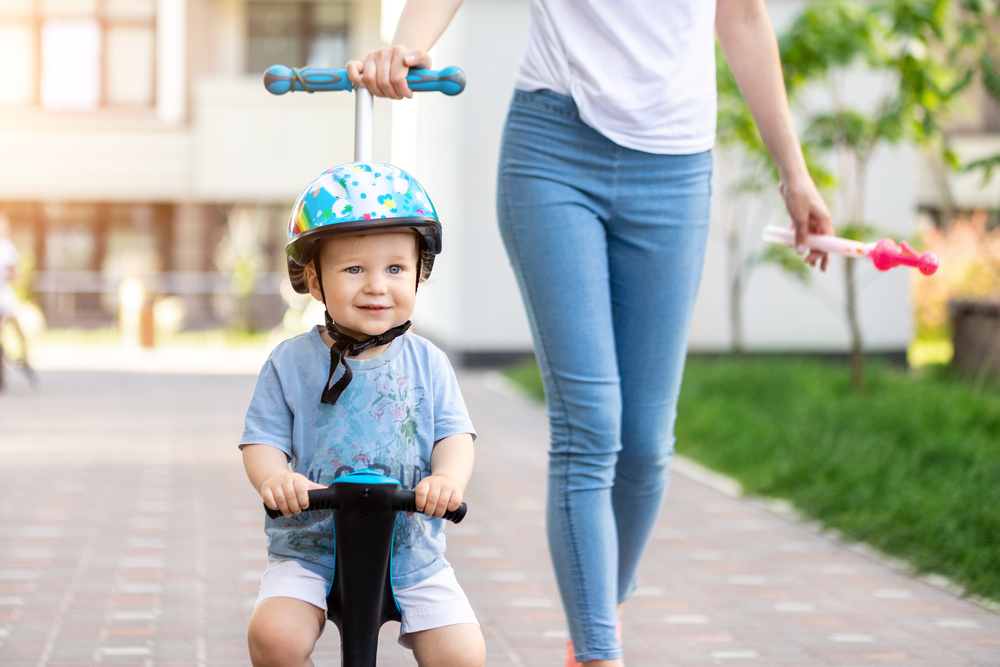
{"x": 312, "y": 280}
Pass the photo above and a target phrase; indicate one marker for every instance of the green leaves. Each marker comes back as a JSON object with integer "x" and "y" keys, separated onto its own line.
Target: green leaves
{"x": 919, "y": 47}
{"x": 827, "y": 35}
{"x": 987, "y": 165}
{"x": 990, "y": 75}
{"x": 786, "y": 259}
{"x": 909, "y": 42}
{"x": 856, "y": 231}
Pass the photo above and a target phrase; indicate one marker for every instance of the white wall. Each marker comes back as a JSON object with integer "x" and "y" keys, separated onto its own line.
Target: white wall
{"x": 251, "y": 146}
{"x": 100, "y": 157}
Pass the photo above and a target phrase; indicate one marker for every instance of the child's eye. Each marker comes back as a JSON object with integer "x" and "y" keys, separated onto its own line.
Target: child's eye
{"x": 395, "y": 269}
{"x": 354, "y": 269}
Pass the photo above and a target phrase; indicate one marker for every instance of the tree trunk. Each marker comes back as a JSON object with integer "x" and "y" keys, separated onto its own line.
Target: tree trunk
{"x": 857, "y": 345}
{"x": 735, "y": 291}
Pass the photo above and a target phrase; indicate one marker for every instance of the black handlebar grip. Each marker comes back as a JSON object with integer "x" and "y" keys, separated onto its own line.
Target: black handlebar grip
{"x": 406, "y": 502}
{"x": 457, "y": 515}
{"x": 319, "y": 499}
{"x": 326, "y": 499}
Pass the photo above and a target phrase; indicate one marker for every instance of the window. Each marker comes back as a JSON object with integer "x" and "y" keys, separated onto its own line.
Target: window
{"x": 297, "y": 34}
{"x": 78, "y": 54}
{"x": 18, "y": 45}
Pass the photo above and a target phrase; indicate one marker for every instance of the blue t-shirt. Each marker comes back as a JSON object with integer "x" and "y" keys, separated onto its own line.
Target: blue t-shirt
{"x": 396, "y": 407}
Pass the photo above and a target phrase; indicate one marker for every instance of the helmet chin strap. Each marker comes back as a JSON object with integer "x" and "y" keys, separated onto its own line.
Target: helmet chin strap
{"x": 344, "y": 345}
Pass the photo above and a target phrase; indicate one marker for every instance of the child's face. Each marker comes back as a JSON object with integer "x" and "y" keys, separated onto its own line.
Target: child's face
{"x": 370, "y": 280}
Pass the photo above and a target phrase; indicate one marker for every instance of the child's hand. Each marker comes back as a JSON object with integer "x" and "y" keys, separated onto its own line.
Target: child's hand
{"x": 288, "y": 492}
{"x": 437, "y": 494}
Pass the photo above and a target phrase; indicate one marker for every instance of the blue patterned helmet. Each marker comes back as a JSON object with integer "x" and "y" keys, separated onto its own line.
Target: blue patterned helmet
{"x": 358, "y": 197}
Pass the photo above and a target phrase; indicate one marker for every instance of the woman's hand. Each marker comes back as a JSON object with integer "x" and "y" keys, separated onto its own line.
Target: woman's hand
{"x": 383, "y": 71}
{"x": 809, "y": 216}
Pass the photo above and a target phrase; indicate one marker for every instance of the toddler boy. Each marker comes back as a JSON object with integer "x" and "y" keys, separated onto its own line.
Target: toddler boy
{"x": 360, "y": 393}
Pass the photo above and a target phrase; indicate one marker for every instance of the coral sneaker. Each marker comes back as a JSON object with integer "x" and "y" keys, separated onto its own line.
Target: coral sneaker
{"x": 571, "y": 659}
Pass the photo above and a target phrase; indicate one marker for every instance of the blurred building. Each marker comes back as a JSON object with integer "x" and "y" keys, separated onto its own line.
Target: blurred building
{"x": 136, "y": 139}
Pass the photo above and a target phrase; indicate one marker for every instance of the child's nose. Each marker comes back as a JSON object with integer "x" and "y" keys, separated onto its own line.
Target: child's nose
{"x": 376, "y": 283}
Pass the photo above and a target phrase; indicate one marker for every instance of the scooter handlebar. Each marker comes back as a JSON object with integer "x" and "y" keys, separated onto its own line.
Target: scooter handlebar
{"x": 407, "y": 501}
{"x": 402, "y": 501}
{"x": 279, "y": 79}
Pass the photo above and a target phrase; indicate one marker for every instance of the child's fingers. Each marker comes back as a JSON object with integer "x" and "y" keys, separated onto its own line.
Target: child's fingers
{"x": 420, "y": 496}
{"x": 268, "y": 499}
{"x": 279, "y": 500}
{"x": 302, "y": 494}
{"x": 449, "y": 500}
{"x": 431, "y": 507}
{"x": 455, "y": 502}
{"x": 291, "y": 497}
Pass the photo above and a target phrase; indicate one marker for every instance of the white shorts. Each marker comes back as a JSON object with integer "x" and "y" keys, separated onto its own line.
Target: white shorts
{"x": 432, "y": 603}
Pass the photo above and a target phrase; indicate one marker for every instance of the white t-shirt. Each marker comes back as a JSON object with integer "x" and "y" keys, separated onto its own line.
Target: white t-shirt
{"x": 642, "y": 72}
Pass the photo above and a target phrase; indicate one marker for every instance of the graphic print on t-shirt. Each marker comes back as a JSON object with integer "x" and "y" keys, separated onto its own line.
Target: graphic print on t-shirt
{"x": 373, "y": 425}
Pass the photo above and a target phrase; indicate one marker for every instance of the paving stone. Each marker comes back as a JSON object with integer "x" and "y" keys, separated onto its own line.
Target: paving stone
{"x": 129, "y": 536}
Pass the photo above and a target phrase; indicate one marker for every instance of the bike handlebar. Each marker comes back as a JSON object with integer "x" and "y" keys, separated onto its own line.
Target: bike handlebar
{"x": 279, "y": 79}
{"x": 402, "y": 501}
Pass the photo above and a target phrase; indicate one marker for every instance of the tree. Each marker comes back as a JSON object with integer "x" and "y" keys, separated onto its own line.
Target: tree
{"x": 749, "y": 172}
{"x": 981, "y": 25}
{"x": 914, "y": 46}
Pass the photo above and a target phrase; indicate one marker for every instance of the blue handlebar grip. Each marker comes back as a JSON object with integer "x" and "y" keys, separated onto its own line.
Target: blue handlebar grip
{"x": 279, "y": 79}
{"x": 450, "y": 80}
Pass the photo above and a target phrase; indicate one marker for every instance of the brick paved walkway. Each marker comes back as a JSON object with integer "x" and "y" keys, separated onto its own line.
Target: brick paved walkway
{"x": 129, "y": 535}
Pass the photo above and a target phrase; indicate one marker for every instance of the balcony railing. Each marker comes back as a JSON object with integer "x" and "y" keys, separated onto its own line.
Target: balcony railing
{"x": 172, "y": 283}
{"x": 90, "y": 298}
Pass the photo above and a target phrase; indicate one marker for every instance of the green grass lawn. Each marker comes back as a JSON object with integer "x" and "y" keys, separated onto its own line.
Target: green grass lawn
{"x": 911, "y": 466}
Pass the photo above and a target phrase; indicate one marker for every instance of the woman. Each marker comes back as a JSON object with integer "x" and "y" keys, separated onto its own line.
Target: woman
{"x": 603, "y": 205}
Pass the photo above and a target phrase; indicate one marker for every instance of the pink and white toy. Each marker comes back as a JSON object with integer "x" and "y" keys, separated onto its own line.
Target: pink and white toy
{"x": 884, "y": 254}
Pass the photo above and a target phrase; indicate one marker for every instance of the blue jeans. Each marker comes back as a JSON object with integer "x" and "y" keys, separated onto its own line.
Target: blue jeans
{"x": 607, "y": 245}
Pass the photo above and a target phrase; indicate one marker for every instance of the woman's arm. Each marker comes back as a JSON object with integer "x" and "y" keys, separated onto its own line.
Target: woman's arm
{"x": 751, "y": 48}
{"x": 420, "y": 25}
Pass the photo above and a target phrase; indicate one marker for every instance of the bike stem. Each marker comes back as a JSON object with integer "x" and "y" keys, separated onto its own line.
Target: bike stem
{"x": 362, "y": 124}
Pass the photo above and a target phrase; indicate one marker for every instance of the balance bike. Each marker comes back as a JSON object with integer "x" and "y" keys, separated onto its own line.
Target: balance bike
{"x": 360, "y": 601}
